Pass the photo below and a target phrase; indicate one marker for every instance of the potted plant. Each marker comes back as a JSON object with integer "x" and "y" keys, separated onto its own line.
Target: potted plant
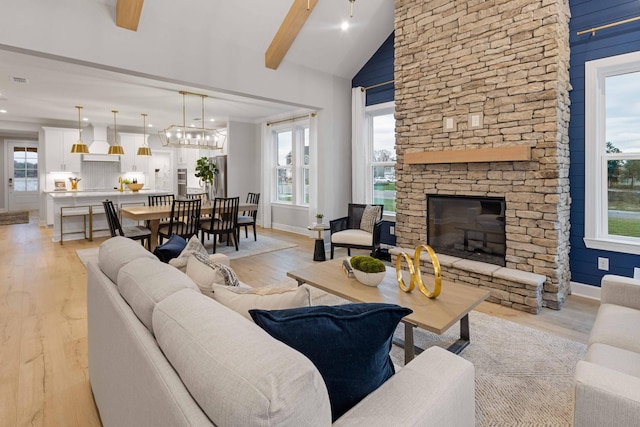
{"x": 319, "y": 217}
{"x": 206, "y": 171}
{"x": 368, "y": 270}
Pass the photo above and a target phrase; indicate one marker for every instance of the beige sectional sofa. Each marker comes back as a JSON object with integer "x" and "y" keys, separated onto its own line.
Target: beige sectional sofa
{"x": 163, "y": 354}
{"x": 607, "y": 381}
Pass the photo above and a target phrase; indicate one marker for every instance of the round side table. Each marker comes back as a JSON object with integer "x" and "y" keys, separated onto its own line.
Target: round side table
{"x": 318, "y": 252}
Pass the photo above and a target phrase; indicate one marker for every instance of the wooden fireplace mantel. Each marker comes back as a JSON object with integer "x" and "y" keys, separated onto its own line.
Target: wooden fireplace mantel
{"x": 494, "y": 154}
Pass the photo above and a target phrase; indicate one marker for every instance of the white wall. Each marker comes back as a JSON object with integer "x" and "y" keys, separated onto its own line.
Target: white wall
{"x": 243, "y": 162}
{"x": 85, "y": 31}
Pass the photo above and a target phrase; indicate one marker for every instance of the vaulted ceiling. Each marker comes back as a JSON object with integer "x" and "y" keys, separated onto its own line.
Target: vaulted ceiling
{"x": 320, "y": 45}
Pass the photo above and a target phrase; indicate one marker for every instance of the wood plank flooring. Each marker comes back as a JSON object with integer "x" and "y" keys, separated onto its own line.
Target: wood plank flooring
{"x": 43, "y": 332}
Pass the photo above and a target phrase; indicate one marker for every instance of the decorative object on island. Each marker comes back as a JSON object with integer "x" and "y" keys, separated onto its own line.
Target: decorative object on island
{"x": 206, "y": 171}
{"x": 74, "y": 182}
{"x": 135, "y": 187}
{"x": 115, "y": 148}
{"x": 179, "y": 136}
{"x": 368, "y": 270}
{"x": 416, "y": 274}
{"x": 144, "y": 150}
{"x": 79, "y": 147}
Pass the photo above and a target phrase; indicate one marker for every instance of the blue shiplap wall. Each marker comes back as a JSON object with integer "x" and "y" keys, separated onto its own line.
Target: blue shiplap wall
{"x": 378, "y": 69}
{"x": 587, "y": 14}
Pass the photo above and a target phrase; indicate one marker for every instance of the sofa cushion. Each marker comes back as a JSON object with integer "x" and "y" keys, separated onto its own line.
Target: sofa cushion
{"x": 369, "y": 218}
{"x": 616, "y": 325}
{"x": 206, "y": 272}
{"x": 193, "y": 245}
{"x": 241, "y": 299}
{"x": 170, "y": 249}
{"x": 145, "y": 282}
{"x": 618, "y": 359}
{"x": 353, "y": 237}
{"x": 349, "y": 344}
{"x": 117, "y": 252}
{"x": 237, "y": 373}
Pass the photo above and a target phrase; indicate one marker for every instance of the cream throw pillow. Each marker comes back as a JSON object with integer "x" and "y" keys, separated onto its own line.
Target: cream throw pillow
{"x": 369, "y": 218}
{"x": 242, "y": 300}
{"x": 205, "y": 273}
{"x": 193, "y": 246}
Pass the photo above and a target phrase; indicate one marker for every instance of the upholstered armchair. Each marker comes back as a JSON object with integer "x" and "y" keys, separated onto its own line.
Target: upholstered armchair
{"x": 352, "y": 231}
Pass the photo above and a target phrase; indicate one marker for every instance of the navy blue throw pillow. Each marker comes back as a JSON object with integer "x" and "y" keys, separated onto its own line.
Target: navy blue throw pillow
{"x": 170, "y": 249}
{"x": 349, "y": 344}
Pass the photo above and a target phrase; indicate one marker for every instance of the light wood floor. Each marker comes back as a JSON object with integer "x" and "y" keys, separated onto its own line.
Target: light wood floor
{"x": 43, "y": 334}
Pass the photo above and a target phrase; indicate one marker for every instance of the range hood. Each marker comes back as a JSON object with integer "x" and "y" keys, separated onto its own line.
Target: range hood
{"x": 99, "y": 147}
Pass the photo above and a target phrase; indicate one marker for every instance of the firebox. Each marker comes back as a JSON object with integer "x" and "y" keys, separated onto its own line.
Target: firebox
{"x": 470, "y": 227}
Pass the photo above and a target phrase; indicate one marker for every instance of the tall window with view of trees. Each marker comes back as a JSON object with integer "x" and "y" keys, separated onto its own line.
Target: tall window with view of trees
{"x": 384, "y": 161}
{"x": 622, "y": 110}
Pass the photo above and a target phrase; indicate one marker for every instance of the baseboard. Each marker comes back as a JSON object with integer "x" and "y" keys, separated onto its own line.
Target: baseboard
{"x": 585, "y": 291}
{"x": 291, "y": 229}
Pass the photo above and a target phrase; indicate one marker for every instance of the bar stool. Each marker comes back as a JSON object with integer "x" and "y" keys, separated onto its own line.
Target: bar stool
{"x": 95, "y": 210}
{"x": 71, "y": 211}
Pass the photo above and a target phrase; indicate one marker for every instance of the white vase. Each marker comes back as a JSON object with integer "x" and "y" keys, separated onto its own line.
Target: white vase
{"x": 369, "y": 279}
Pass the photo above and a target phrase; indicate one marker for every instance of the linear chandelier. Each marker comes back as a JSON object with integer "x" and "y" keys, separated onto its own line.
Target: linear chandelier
{"x": 181, "y": 136}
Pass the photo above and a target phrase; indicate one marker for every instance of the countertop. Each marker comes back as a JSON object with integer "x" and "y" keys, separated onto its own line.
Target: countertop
{"x": 101, "y": 193}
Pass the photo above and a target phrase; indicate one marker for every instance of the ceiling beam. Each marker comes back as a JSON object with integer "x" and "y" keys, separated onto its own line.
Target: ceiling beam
{"x": 288, "y": 31}
{"x": 128, "y": 14}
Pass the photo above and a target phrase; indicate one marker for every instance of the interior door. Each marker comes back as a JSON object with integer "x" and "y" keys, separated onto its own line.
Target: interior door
{"x": 22, "y": 175}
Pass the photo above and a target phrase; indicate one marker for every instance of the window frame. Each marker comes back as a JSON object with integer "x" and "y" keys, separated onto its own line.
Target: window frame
{"x": 297, "y": 166}
{"x": 596, "y": 201}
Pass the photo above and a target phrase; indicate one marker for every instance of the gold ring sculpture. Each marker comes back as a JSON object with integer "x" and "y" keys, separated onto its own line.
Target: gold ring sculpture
{"x": 416, "y": 274}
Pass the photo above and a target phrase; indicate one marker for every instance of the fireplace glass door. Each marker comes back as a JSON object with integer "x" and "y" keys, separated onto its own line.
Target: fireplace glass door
{"x": 467, "y": 227}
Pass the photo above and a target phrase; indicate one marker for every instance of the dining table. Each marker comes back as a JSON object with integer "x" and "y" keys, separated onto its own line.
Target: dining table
{"x": 154, "y": 214}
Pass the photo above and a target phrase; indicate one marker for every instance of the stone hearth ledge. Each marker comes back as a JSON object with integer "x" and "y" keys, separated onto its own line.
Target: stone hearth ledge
{"x": 517, "y": 289}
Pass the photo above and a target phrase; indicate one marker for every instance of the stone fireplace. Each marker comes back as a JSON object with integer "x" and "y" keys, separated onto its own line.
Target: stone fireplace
{"x": 482, "y": 109}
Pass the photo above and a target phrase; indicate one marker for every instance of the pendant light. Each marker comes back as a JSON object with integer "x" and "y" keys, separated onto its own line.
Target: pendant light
{"x": 144, "y": 150}
{"x": 115, "y": 149}
{"x": 351, "y": 7}
{"x": 79, "y": 147}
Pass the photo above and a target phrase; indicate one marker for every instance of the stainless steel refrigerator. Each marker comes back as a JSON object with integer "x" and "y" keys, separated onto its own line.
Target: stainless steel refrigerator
{"x": 220, "y": 183}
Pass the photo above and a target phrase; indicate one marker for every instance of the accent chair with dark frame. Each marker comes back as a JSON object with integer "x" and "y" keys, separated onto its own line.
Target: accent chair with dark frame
{"x": 346, "y": 232}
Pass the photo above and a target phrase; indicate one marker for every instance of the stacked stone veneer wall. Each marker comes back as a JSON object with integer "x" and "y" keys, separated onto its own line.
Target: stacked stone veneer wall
{"x": 509, "y": 61}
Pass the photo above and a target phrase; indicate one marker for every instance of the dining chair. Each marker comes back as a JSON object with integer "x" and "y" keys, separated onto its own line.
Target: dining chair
{"x": 136, "y": 232}
{"x": 224, "y": 222}
{"x": 249, "y": 217}
{"x": 162, "y": 200}
{"x": 202, "y": 196}
{"x": 184, "y": 219}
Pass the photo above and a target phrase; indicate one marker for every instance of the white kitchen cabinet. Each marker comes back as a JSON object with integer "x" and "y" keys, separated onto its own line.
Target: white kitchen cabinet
{"x": 130, "y": 161}
{"x": 58, "y": 155}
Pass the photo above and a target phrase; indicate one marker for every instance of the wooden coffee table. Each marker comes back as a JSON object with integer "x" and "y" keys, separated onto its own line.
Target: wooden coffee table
{"x": 434, "y": 315}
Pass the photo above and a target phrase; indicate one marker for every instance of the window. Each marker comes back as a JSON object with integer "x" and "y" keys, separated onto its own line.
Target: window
{"x": 612, "y": 153}
{"x": 382, "y": 139}
{"x": 25, "y": 169}
{"x": 292, "y": 163}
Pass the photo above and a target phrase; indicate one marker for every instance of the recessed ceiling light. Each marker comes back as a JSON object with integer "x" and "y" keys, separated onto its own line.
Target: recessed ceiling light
{"x": 212, "y": 120}
{"x": 3, "y": 111}
{"x": 345, "y": 26}
{"x": 85, "y": 119}
{"x": 149, "y": 125}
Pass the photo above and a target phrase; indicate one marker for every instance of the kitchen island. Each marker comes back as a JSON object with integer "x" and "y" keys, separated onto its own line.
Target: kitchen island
{"x": 59, "y": 199}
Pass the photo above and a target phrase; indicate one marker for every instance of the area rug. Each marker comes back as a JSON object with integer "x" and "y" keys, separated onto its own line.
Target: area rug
{"x": 524, "y": 377}
{"x": 248, "y": 247}
{"x": 9, "y": 218}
